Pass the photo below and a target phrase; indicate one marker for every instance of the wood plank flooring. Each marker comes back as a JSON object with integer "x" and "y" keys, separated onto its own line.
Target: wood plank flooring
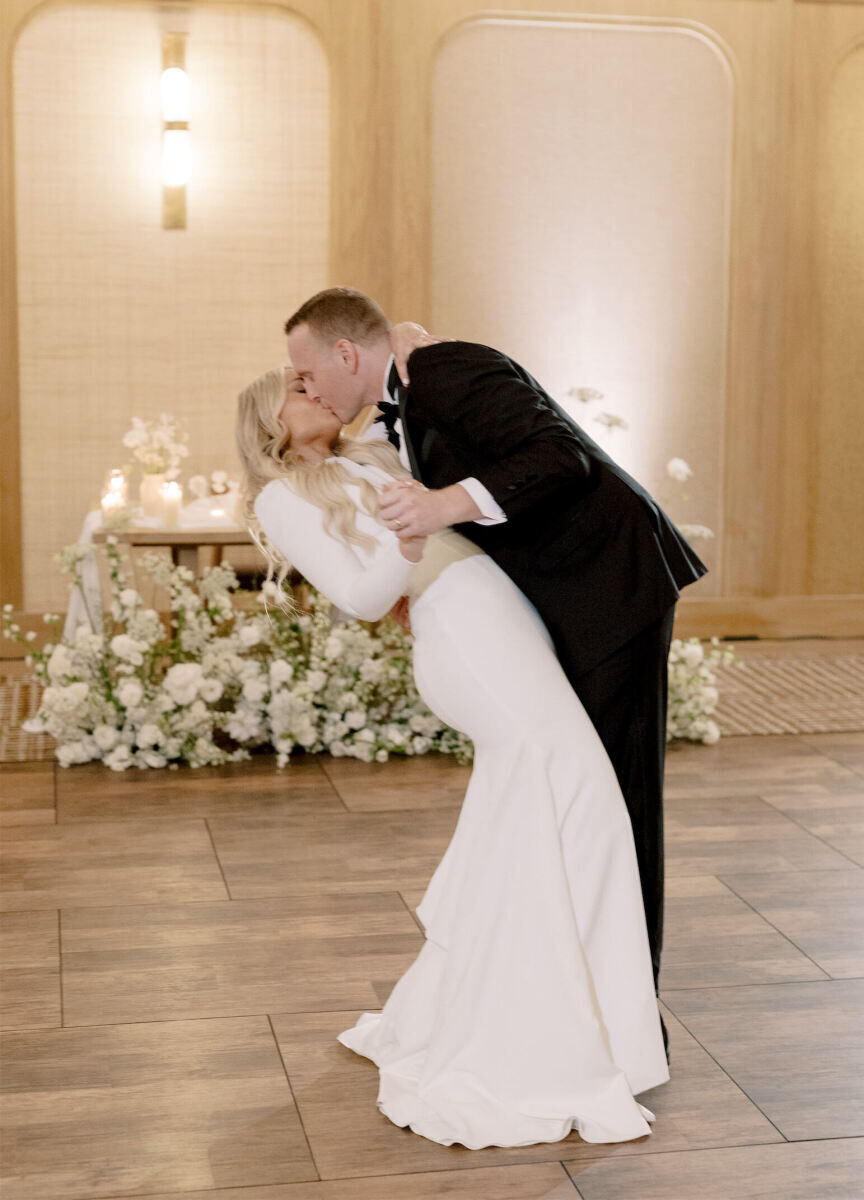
{"x": 179, "y": 949}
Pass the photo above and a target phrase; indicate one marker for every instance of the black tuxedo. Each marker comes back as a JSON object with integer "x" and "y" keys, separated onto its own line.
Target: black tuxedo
{"x": 584, "y": 541}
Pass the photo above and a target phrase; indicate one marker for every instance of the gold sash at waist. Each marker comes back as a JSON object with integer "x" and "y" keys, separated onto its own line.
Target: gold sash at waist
{"x": 441, "y": 549}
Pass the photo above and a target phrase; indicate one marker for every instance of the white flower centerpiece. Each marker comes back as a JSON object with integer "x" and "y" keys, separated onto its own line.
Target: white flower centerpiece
{"x": 158, "y": 448}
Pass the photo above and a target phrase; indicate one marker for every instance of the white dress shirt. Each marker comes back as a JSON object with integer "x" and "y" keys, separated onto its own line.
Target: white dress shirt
{"x": 493, "y": 513}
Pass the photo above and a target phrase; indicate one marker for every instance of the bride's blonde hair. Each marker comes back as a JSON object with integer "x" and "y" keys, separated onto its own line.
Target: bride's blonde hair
{"x": 266, "y": 454}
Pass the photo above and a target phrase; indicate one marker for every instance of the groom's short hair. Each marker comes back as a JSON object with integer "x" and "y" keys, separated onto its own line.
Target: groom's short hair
{"x": 341, "y": 312}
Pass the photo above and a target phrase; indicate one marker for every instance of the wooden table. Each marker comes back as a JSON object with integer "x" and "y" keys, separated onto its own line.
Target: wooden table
{"x": 192, "y": 548}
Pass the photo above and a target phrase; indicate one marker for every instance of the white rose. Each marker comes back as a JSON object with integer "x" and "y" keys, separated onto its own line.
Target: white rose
{"x": 211, "y": 690}
{"x": 337, "y": 749}
{"x": 712, "y": 734}
{"x": 182, "y": 681}
{"x": 127, "y": 649}
{"x": 130, "y": 694}
{"x": 119, "y": 759}
{"x": 281, "y": 671}
{"x": 105, "y": 737}
{"x": 677, "y": 468}
{"x": 692, "y": 653}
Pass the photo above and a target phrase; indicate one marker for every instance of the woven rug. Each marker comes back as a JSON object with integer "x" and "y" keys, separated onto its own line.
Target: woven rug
{"x": 19, "y": 699}
{"x": 792, "y": 695}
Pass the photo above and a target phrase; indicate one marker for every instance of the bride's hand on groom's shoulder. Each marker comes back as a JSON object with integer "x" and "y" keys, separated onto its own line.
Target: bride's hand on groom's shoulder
{"x": 405, "y": 338}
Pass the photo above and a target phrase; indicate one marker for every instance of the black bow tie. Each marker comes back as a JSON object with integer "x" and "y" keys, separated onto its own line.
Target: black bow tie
{"x": 388, "y": 418}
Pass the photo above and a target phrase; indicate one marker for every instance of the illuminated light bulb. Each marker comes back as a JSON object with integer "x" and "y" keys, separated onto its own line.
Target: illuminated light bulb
{"x": 175, "y": 157}
{"x": 174, "y": 87}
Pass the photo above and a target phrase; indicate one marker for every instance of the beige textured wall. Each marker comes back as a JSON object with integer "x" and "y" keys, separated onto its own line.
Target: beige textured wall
{"x": 838, "y": 526}
{"x": 118, "y": 316}
{"x": 581, "y": 174}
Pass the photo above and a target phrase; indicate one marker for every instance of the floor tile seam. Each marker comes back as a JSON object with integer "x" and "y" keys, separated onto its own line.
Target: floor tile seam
{"x": 720, "y": 1066}
{"x": 785, "y": 936}
{"x": 825, "y": 753}
{"x": 721, "y": 1149}
{"x": 60, "y": 966}
{"x": 218, "y": 859}
{"x": 412, "y": 914}
{"x": 302, "y": 1012}
{"x": 55, "y": 791}
{"x": 385, "y": 891}
{"x": 729, "y": 987}
{"x": 818, "y": 836}
{"x": 296, "y": 1103}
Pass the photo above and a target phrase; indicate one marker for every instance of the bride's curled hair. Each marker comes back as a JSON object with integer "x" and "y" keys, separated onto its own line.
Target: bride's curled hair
{"x": 266, "y": 454}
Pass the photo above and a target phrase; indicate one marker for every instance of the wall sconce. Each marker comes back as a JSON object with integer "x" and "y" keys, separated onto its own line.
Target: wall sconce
{"x": 174, "y": 88}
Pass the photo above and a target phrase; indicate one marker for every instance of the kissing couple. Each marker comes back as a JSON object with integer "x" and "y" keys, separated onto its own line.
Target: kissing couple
{"x": 541, "y": 581}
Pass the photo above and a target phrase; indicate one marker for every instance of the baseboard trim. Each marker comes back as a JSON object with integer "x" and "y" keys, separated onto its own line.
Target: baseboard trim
{"x": 771, "y": 617}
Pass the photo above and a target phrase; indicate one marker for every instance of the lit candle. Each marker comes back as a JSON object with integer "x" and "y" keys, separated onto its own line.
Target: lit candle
{"x": 171, "y": 494}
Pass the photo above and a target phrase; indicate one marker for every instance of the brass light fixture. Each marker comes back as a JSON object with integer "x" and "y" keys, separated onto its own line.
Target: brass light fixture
{"x": 174, "y": 87}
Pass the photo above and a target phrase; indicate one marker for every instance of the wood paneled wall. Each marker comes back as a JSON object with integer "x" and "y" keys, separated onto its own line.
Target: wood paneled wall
{"x": 794, "y": 484}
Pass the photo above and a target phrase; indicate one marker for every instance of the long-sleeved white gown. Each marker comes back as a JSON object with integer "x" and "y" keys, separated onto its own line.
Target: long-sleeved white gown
{"x": 530, "y": 1011}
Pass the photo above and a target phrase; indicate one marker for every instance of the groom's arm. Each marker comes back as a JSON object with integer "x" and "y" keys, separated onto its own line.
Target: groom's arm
{"x": 521, "y": 449}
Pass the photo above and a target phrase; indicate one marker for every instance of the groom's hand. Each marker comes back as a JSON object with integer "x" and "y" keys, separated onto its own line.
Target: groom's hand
{"x": 411, "y": 510}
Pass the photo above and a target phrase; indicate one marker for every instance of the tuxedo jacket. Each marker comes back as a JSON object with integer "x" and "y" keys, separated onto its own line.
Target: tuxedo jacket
{"x": 583, "y": 540}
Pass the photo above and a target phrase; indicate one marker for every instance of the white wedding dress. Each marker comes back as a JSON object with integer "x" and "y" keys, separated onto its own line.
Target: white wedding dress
{"x": 530, "y": 1011}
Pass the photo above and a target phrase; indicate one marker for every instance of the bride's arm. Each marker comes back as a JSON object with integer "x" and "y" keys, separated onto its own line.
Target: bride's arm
{"x": 366, "y": 591}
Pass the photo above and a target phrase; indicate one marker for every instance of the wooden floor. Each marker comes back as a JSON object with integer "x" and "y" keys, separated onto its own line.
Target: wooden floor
{"x": 180, "y": 949}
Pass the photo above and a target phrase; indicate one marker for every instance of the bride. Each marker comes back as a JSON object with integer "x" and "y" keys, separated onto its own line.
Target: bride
{"x": 530, "y": 1011}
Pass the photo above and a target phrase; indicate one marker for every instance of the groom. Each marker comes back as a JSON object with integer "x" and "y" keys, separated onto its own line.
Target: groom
{"x": 511, "y": 470}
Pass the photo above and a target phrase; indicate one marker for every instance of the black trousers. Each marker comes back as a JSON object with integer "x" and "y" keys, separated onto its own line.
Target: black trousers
{"x": 626, "y": 697}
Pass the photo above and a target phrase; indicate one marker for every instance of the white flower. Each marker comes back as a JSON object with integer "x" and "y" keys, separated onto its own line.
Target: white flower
{"x": 254, "y": 690}
{"x": 677, "y": 468}
{"x": 382, "y": 756}
{"x": 182, "y": 681}
{"x": 129, "y": 598}
{"x": 356, "y": 718}
{"x": 105, "y": 737}
{"x": 316, "y": 680}
{"x": 692, "y": 654}
{"x": 152, "y": 759}
{"x": 130, "y": 693}
{"x": 211, "y": 690}
{"x": 333, "y": 646}
{"x": 250, "y": 634}
{"x": 59, "y": 664}
{"x": 198, "y": 486}
{"x": 72, "y": 752}
{"x": 148, "y": 735}
{"x": 712, "y": 734}
{"x": 127, "y": 649}
{"x": 281, "y": 671}
{"x": 119, "y": 759}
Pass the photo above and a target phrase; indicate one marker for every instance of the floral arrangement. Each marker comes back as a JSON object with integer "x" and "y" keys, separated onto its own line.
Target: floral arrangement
{"x": 214, "y": 682}
{"x": 693, "y": 693}
{"x": 157, "y": 446}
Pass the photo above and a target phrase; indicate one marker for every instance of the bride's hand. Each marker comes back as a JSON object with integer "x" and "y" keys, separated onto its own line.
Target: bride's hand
{"x": 405, "y": 338}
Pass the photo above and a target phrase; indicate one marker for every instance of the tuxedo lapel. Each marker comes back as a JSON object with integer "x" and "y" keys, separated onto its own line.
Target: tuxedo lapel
{"x": 401, "y": 399}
